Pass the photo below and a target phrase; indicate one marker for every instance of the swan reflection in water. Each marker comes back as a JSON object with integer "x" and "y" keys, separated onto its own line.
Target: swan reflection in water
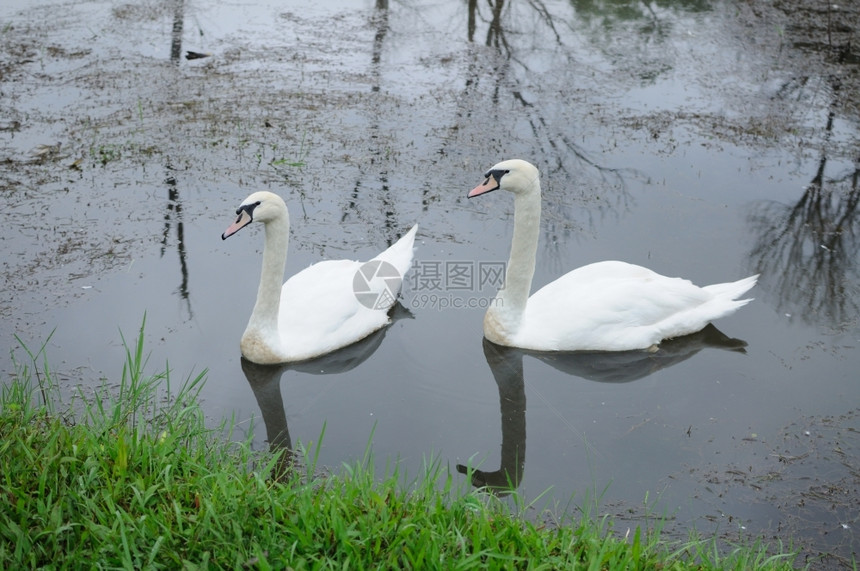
{"x": 506, "y": 364}
{"x": 265, "y": 383}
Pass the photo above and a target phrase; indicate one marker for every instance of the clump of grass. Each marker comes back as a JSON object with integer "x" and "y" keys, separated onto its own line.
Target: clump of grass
{"x": 106, "y": 153}
{"x": 137, "y": 481}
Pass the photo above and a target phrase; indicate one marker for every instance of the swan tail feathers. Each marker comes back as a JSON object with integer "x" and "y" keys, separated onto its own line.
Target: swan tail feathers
{"x": 400, "y": 253}
{"x": 724, "y": 302}
{"x": 733, "y": 290}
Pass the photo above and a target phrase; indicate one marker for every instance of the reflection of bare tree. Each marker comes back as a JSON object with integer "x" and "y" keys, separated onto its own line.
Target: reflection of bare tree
{"x": 808, "y": 252}
{"x": 176, "y": 33}
{"x": 508, "y": 79}
{"x": 506, "y": 364}
{"x": 378, "y": 152}
{"x": 173, "y": 215}
{"x": 500, "y": 21}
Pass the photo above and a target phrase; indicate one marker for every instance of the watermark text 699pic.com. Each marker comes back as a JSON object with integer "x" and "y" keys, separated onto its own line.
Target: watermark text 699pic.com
{"x": 441, "y": 302}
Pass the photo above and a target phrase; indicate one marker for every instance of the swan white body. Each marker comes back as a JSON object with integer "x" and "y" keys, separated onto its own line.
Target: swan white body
{"x": 606, "y": 306}
{"x": 317, "y": 310}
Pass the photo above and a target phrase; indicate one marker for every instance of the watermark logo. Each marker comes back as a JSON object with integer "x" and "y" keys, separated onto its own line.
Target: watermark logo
{"x": 376, "y": 284}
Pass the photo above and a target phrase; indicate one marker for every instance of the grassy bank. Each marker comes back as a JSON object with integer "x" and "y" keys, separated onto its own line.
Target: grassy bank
{"x": 132, "y": 479}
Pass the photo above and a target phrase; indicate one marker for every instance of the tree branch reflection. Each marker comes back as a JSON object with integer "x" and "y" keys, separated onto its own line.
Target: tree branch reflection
{"x": 527, "y": 40}
{"x": 173, "y": 214}
{"x": 380, "y": 21}
{"x": 807, "y": 252}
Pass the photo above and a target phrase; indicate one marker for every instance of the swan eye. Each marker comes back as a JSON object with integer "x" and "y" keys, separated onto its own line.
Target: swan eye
{"x": 496, "y": 174}
{"x": 249, "y": 208}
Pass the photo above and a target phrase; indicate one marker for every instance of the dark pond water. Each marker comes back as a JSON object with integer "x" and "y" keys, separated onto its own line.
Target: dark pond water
{"x": 705, "y": 140}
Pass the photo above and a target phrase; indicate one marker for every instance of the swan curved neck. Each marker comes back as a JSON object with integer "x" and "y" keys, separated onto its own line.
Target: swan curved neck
{"x": 265, "y": 314}
{"x": 521, "y": 265}
{"x": 510, "y": 303}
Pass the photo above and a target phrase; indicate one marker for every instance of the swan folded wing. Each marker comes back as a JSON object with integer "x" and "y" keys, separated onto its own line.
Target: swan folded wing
{"x": 612, "y": 306}
{"x": 320, "y": 312}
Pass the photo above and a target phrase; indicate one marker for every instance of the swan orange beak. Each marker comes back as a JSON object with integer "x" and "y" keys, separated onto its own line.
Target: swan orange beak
{"x": 488, "y": 185}
{"x": 243, "y": 220}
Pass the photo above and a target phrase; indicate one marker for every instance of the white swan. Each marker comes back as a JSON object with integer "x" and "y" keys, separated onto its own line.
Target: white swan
{"x": 605, "y": 306}
{"x": 317, "y": 310}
